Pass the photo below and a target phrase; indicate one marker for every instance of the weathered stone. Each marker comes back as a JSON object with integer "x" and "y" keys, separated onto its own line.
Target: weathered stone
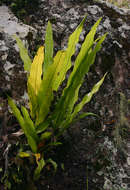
{"x": 10, "y": 62}
{"x": 9, "y": 24}
{"x": 113, "y": 58}
{"x": 94, "y": 9}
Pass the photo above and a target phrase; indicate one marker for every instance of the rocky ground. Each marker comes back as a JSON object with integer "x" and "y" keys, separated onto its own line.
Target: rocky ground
{"x": 120, "y": 3}
{"x": 93, "y": 155}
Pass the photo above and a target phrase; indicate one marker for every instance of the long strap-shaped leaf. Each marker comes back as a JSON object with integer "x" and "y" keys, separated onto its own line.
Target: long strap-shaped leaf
{"x": 34, "y": 80}
{"x": 48, "y": 85}
{"x": 25, "y": 125}
{"x": 36, "y": 70}
{"x": 48, "y": 47}
{"x": 81, "y": 70}
{"x": 58, "y": 67}
{"x": 86, "y": 57}
{"x": 23, "y": 54}
{"x": 73, "y": 40}
{"x": 17, "y": 114}
{"x": 30, "y": 125}
{"x": 70, "y": 94}
{"x": 86, "y": 99}
{"x": 87, "y": 44}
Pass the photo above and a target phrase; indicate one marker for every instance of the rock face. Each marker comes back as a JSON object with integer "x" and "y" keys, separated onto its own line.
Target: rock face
{"x": 114, "y": 57}
{"x": 9, "y": 24}
{"x": 10, "y": 66}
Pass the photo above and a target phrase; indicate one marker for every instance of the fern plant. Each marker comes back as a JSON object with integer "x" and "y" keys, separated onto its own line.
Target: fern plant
{"x": 41, "y": 126}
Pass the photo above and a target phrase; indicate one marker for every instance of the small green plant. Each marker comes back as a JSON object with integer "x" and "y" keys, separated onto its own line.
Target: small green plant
{"x": 44, "y": 123}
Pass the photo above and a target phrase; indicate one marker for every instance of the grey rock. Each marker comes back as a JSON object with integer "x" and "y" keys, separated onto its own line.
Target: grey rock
{"x": 94, "y": 10}
{"x": 3, "y": 46}
{"x": 11, "y": 66}
{"x": 8, "y": 66}
{"x": 124, "y": 29}
{"x": 73, "y": 26}
{"x": 10, "y": 25}
{"x": 107, "y": 184}
{"x": 106, "y": 24}
{"x": 128, "y": 148}
{"x": 128, "y": 161}
{"x": 73, "y": 14}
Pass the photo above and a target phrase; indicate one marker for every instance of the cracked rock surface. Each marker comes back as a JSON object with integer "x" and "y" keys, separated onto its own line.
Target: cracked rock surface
{"x": 82, "y": 162}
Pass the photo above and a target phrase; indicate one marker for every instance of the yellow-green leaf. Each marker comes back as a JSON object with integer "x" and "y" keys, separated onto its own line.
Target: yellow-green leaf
{"x": 17, "y": 114}
{"x": 33, "y": 104}
{"x": 36, "y": 70}
{"x": 69, "y": 97}
{"x": 32, "y": 143}
{"x": 48, "y": 47}
{"x": 39, "y": 168}
{"x": 45, "y": 97}
{"x": 58, "y": 67}
{"x": 46, "y": 91}
{"x": 87, "y": 98}
{"x": 24, "y": 154}
{"x": 73, "y": 40}
{"x": 34, "y": 80}
{"x": 43, "y": 126}
{"x": 46, "y": 135}
{"x": 23, "y": 54}
{"x": 87, "y": 44}
{"x": 30, "y": 125}
{"x": 23, "y": 124}
{"x": 54, "y": 164}
{"x": 49, "y": 83}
